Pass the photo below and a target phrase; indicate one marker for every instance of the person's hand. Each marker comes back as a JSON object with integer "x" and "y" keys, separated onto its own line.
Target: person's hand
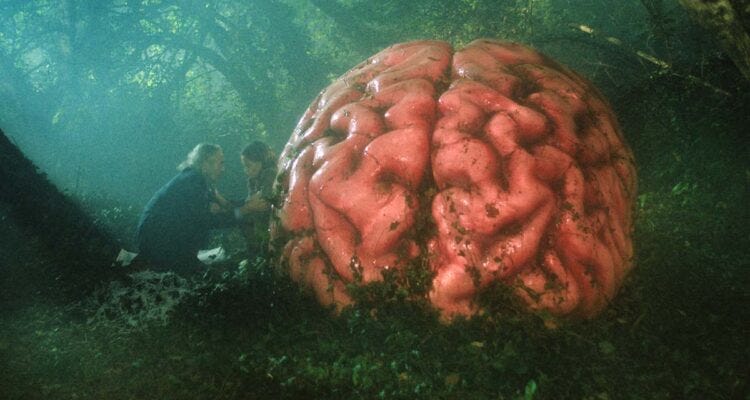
{"x": 215, "y": 208}
{"x": 221, "y": 201}
{"x": 254, "y": 204}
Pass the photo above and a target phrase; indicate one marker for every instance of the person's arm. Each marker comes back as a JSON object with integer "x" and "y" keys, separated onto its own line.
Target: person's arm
{"x": 221, "y": 201}
{"x": 255, "y": 204}
{"x": 222, "y": 214}
{"x": 203, "y": 206}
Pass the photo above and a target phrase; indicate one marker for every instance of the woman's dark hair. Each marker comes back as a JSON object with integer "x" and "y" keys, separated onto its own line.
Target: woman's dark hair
{"x": 259, "y": 151}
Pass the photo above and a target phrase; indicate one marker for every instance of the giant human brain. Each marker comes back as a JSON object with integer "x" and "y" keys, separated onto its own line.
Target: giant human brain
{"x": 516, "y": 162}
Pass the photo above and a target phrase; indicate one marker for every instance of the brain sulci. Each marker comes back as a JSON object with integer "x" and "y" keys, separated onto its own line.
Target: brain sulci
{"x": 486, "y": 165}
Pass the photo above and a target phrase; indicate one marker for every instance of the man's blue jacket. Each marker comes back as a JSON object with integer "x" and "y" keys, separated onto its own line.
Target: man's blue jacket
{"x": 176, "y": 221}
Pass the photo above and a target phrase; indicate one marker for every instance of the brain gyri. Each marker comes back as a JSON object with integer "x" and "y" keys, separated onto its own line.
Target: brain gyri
{"x": 515, "y": 162}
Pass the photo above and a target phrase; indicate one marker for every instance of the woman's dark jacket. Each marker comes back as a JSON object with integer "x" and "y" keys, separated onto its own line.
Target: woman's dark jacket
{"x": 255, "y": 225}
{"x": 176, "y": 221}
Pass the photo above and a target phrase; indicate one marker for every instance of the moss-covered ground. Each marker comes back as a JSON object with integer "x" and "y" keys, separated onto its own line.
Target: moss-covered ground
{"x": 677, "y": 330}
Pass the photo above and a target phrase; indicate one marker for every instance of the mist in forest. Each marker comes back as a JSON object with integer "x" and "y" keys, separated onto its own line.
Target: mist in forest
{"x": 108, "y": 97}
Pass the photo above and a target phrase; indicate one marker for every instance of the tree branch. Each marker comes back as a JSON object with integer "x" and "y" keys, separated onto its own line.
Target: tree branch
{"x": 721, "y": 18}
{"x": 657, "y": 62}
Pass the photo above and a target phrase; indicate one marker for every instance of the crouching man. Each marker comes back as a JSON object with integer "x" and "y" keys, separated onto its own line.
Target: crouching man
{"x": 175, "y": 223}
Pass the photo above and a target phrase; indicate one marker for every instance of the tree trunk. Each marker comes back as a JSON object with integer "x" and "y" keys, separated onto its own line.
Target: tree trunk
{"x": 82, "y": 252}
{"x": 729, "y": 22}
{"x": 363, "y": 37}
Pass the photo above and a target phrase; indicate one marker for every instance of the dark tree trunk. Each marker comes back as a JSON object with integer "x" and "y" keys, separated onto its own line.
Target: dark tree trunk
{"x": 364, "y": 38}
{"x": 81, "y": 252}
{"x": 729, "y": 21}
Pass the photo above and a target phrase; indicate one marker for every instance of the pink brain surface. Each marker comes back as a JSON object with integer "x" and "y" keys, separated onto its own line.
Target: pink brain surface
{"x": 517, "y": 163}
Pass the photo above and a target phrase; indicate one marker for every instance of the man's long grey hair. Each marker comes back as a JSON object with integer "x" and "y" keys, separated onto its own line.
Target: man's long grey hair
{"x": 199, "y": 155}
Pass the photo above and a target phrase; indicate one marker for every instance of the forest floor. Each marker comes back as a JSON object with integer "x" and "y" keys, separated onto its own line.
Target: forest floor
{"x": 678, "y": 329}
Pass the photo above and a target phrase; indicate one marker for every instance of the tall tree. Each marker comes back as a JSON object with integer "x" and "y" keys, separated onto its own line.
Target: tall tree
{"x": 82, "y": 250}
